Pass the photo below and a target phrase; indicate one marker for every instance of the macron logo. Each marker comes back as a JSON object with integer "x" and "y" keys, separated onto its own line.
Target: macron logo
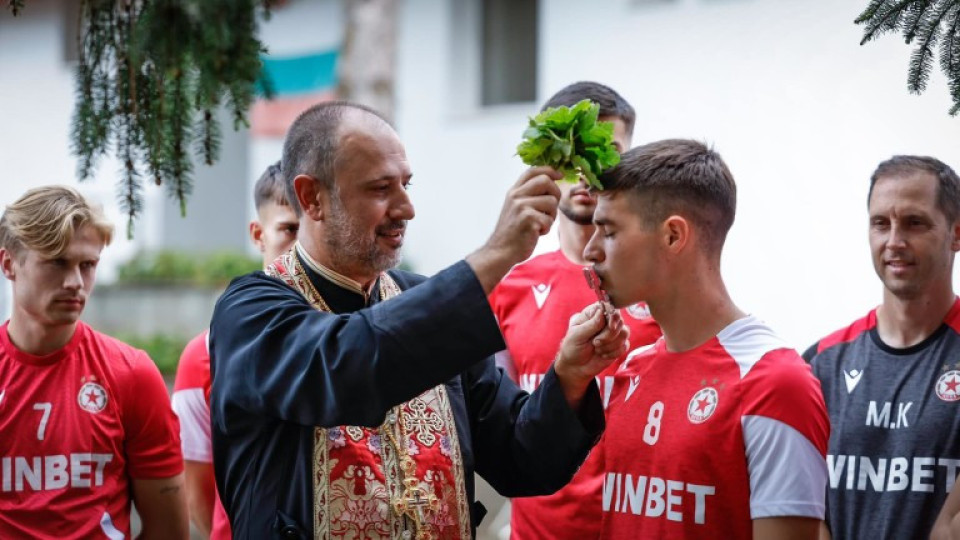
{"x": 852, "y": 378}
{"x": 634, "y": 383}
{"x": 540, "y": 294}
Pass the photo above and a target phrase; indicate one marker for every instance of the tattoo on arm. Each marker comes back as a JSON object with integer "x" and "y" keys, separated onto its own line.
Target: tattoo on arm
{"x": 169, "y": 489}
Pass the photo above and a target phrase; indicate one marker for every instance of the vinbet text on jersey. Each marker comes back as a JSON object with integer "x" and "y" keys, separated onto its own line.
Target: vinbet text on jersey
{"x": 894, "y": 453}
{"x": 48, "y": 473}
{"x": 656, "y": 497}
{"x": 77, "y": 425}
{"x": 702, "y": 442}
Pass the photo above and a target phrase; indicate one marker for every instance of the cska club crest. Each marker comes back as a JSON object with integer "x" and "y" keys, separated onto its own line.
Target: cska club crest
{"x": 92, "y": 397}
{"x": 702, "y": 405}
{"x": 639, "y": 311}
{"x": 948, "y": 386}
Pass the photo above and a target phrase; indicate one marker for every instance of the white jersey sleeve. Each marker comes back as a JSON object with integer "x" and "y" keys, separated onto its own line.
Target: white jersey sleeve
{"x": 191, "y": 406}
{"x": 788, "y": 475}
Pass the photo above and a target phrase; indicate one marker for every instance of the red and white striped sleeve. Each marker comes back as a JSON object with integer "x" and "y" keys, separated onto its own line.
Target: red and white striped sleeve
{"x": 190, "y": 400}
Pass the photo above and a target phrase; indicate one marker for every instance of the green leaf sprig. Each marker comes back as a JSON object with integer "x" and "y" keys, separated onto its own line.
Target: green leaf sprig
{"x": 572, "y": 141}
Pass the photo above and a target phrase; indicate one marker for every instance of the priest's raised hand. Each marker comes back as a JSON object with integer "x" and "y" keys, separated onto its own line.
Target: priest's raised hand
{"x": 342, "y": 382}
{"x": 527, "y": 214}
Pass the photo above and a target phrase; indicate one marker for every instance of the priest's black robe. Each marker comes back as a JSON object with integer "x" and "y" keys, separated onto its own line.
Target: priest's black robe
{"x": 280, "y": 368}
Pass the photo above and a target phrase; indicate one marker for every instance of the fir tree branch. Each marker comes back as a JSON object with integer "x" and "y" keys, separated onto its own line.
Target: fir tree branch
{"x": 950, "y": 56}
{"x": 210, "y": 138}
{"x": 131, "y": 199}
{"x": 885, "y": 17}
{"x": 929, "y": 22}
{"x": 913, "y": 17}
{"x": 16, "y": 6}
{"x": 922, "y": 58}
{"x": 179, "y": 180}
{"x": 150, "y": 78}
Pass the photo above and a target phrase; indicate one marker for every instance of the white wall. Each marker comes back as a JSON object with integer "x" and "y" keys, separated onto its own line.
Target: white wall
{"x": 783, "y": 90}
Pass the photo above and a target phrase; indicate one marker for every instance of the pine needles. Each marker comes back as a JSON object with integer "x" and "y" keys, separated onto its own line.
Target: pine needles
{"x": 933, "y": 25}
{"x": 151, "y": 75}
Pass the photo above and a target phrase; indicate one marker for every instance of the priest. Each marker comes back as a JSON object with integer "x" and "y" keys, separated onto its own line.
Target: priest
{"x": 352, "y": 400}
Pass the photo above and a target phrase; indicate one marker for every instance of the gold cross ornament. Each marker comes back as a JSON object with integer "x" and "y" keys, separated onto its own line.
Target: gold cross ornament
{"x": 415, "y": 501}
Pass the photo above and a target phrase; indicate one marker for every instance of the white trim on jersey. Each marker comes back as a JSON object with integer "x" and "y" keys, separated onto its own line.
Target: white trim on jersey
{"x": 788, "y": 475}
{"x": 637, "y": 352}
{"x": 191, "y": 406}
{"x": 747, "y": 340}
{"x": 108, "y": 528}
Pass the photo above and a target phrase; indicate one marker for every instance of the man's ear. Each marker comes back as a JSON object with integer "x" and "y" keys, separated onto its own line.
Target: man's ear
{"x": 313, "y": 197}
{"x": 955, "y": 241}
{"x": 675, "y": 233}
{"x": 7, "y": 264}
{"x": 256, "y": 234}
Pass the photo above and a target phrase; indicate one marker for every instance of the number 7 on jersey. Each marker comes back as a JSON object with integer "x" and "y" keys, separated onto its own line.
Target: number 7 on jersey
{"x": 46, "y": 407}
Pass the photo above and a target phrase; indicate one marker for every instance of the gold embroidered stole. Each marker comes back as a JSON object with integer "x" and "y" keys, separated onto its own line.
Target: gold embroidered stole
{"x": 360, "y": 487}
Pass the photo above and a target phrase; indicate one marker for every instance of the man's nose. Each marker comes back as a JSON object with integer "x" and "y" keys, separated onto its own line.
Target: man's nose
{"x": 402, "y": 208}
{"x": 896, "y": 238}
{"x": 592, "y": 252}
{"x": 74, "y": 279}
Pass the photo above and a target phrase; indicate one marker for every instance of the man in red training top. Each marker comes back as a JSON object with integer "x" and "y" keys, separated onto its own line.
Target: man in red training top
{"x": 540, "y": 296}
{"x": 273, "y": 232}
{"x": 85, "y": 421}
{"x": 718, "y": 430}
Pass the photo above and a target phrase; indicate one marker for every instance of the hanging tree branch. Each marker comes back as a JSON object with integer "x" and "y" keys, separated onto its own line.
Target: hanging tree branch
{"x": 150, "y": 77}
{"x": 928, "y": 23}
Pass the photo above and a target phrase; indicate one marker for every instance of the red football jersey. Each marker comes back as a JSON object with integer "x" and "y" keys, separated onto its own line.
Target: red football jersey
{"x": 534, "y": 304}
{"x": 75, "y": 426}
{"x": 191, "y": 402}
{"x": 700, "y": 443}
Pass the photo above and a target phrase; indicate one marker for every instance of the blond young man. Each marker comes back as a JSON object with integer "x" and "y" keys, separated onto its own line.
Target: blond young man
{"x": 273, "y": 232}
{"x": 85, "y": 422}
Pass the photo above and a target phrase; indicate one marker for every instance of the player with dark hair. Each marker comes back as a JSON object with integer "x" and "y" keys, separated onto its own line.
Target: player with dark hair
{"x": 891, "y": 379}
{"x": 543, "y": 293}
{"x": 717, "y": 430}
{"x": 273, "y": 231}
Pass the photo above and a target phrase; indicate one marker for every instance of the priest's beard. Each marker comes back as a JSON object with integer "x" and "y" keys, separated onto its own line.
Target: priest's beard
{"x": 350, "y": 248}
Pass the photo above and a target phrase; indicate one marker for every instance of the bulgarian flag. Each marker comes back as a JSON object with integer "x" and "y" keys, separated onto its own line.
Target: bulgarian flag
{"x": 298, "y": 83}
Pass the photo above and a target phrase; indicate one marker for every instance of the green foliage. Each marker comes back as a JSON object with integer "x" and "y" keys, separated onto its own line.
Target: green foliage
{"x": 163, "y": 349}
{"x": 176, "y": 268}
{"x": 572, "y": 141}
{"x": 928, "y": 23}
{"x": 150, "y": 78}
{"x": 16, "y": 6}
